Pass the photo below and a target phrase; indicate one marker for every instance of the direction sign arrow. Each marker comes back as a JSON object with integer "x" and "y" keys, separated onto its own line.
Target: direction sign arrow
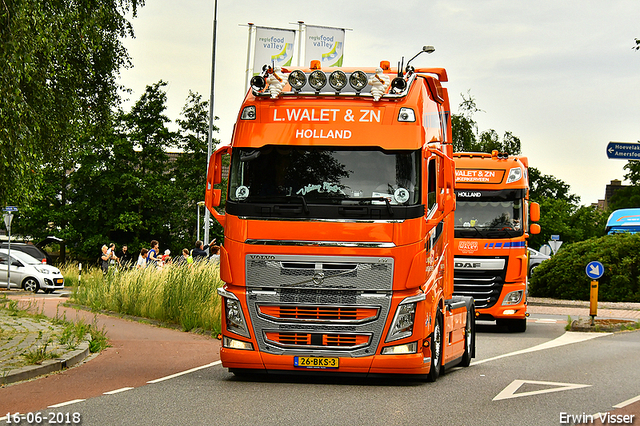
{"x": 594, "y": 270}
{"x": 623, "y": 150}
{"x": 510, "y": 391}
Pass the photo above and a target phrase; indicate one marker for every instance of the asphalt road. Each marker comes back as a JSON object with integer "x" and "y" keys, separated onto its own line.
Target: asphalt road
{"x": 533, "y": 378}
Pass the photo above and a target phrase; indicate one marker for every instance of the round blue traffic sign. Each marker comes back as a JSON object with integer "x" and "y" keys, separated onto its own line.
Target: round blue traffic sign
{"x": 594, "y": 270}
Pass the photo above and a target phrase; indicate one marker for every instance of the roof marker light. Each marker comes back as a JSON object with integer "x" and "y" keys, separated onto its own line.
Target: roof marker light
{"x": 258, "y": 83}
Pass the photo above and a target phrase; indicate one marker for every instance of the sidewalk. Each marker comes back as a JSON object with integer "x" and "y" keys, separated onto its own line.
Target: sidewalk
{"x": 577, "y": 308}
{"x": 21, "y": 336}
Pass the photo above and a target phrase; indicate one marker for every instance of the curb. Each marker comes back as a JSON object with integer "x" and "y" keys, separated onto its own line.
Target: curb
{"x": 50, "y": 366}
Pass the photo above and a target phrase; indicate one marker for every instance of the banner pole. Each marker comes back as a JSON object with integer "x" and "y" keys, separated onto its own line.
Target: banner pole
{"x": 249, "y": 69}
{"x": 300, "y": 28}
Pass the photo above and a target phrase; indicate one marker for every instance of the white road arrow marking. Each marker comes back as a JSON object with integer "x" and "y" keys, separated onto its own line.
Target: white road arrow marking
{"x": 510, "y": 391}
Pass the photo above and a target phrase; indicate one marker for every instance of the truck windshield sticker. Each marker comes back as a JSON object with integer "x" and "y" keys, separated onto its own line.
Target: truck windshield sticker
{"x": 325, "y": 187}
{"x": 479, "y": 176}
{"x": 242, "y": 192}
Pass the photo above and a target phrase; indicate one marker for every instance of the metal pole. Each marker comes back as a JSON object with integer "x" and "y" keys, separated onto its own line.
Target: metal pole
{"x": 249, "y": 68}
{"x": 8, "y": 216}
{"x": 300, "y": 27}
{"x": 211, "y": 98}
{"x": 198, "y": 222}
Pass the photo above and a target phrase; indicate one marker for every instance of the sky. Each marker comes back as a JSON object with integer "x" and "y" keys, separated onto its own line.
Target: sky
{"x": 560, "y": 75}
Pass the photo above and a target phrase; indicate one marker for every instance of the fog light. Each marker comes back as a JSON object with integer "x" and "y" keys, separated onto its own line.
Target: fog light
{"x": 358, "y": 80}
{"x": 512, "y": 298}
{"x": 407, "y": 348}
{"x": 258, "y": 83}
{"x": 230, "y": 343}
{"x": 317, "y": 80}
{"x": 338, "y": 80}
{"x": 509, "y": 312}
{"x": 406, "y": 115}
{"x": 297, "y": 80}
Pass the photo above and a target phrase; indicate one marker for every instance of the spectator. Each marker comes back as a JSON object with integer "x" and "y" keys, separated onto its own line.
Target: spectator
{"x": 199, "y": 252}
{"x": 112, "y": 254}
{"x": 125, "y": 258}
{"x": 215, "y": 254}
{"x": 152, "y": 256}
{"x": 183, "y": 259}
{"x": 142, "y": 258}
{"x": 104, "y": 259}
{"x": 166, "y": 257}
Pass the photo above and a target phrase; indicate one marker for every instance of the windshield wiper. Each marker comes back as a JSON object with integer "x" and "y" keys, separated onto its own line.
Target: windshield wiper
{"x": 304, "y": 203}
{"x": 386, "y": 201}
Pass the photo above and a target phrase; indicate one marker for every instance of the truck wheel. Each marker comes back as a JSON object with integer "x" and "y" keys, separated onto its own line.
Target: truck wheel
{"x": 469, "y": 339}
{"x": 436, "y": 350}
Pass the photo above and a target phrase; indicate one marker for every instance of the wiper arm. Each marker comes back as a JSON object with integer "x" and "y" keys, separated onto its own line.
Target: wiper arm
{"x": 304, "y": 203}
{"x": 386, "y": 201}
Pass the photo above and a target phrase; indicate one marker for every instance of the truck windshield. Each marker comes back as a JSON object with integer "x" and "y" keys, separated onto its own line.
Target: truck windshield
{"x": 325, "y": 175}
{"x": 489, "y": 216}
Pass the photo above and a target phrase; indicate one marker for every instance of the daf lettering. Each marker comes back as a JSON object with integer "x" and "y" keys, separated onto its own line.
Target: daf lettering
{"x": 471, "y": 265}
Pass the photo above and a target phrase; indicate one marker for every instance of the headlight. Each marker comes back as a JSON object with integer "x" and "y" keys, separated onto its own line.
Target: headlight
{"x": 358, "y": 80}
{"x": 230, "y": 343}
{"x": 318, "y": 80}
{"x": 233, "y": 313}
{"x": 406, "y": 115}
{"x": 338, "y": 80}
{"x": 515, "y": 175}
{"x": 512, "y": 298}
{"x": 42, "y": 270}
{"x": 297, "y": 80}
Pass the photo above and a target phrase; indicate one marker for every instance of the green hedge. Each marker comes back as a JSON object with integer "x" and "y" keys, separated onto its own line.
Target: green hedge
{"x": 563, "y": 276}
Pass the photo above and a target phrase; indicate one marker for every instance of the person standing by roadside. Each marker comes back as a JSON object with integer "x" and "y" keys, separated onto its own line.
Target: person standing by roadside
{"x": 104, "y": 259}
{"x": 199, "y": 252}
{"x": 142, "y": 258}
{"x": 152, "y": 256}
{"x": 125, "y": 258}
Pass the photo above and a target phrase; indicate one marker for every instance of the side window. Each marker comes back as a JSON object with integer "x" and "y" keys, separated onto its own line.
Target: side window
{"x": 3, "y": 259}
{"x": 432, "y": 177}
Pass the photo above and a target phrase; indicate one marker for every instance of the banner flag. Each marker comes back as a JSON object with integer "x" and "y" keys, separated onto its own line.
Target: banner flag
{"x": 274, "y": 46}
{"x": 324, "y": 44}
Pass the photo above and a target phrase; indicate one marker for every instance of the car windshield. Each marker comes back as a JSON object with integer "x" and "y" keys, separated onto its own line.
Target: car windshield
{"x": 23, "y": 257}
{"x": 323, "y": 175}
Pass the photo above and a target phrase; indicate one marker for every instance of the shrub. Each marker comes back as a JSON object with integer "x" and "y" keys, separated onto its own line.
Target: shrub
{"x": 176, "y": 294}
{"x": 563, "y": 276}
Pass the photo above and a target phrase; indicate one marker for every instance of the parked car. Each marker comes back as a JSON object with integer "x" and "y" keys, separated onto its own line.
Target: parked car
{"x": 535, "y": 259}
{"x": 29, "y": 273}
{"x": 30, "y": 249}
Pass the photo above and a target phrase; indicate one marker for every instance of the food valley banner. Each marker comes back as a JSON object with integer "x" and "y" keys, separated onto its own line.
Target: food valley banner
{"x": 274, "y": 46}
{"x": 324, "y": 44}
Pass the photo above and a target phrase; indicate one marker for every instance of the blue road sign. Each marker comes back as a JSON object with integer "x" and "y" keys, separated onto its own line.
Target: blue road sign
{"x": 594, "y": 270}
{"x": 623, "y": 150}
{"x": 10, "y": 209}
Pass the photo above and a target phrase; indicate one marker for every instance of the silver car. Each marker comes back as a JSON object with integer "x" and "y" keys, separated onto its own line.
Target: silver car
{"x": 29, "y": 273}
{"x": 535, "y": 259}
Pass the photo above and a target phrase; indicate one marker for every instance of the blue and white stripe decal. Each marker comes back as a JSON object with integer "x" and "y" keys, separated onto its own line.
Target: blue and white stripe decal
{"x": 506, "y": 245}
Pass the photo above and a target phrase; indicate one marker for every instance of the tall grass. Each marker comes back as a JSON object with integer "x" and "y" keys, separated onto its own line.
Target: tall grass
{"x": 176, "y": 294}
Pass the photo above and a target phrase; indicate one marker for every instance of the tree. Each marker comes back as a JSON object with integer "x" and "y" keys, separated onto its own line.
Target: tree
{"x": 630, "y": 196}
{"x": 59, "y": 61}
{"x": 467, "y": 138}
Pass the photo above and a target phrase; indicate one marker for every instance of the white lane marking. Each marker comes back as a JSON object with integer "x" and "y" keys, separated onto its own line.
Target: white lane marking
{"x": 546, "y": 321}
{"x": 627, "y": 402}
{"x": 62, "y": 404}
{"x": 510, "y": 391}
{"x": 566, "y": 339}
{"x": 113, "y": 392}
{"x": 184, "y": 372}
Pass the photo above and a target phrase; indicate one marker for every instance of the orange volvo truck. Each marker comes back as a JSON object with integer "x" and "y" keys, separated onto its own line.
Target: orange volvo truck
{"x": 338, "y": 248}
{"x": 491, "y": 230}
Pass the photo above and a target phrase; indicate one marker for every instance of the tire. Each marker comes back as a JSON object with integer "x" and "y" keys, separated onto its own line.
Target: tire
{"x": 31, "y": 284}
{"x": 436, "y": 350}
{"x": 469, "y": 339}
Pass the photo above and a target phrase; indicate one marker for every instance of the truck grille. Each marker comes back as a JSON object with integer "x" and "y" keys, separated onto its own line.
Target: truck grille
{"x": 318, "y": 304}
{"x": 480, "y": 278}
{"x": 317, "y": 340}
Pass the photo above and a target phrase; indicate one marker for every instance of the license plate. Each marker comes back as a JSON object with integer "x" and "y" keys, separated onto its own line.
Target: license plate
{"x": 315, "y": 362}
{"x": 59, "y": 280}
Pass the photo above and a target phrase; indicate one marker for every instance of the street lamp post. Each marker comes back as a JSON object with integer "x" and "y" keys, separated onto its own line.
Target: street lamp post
{"x": 211, "y": 116}
{"x": 200, "y": 204}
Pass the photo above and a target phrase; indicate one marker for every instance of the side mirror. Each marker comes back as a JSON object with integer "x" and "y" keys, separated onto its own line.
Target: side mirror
{"x": 212, "y": 196}
{"x": 534, "y": 212}
{"x": 534, "y": 229}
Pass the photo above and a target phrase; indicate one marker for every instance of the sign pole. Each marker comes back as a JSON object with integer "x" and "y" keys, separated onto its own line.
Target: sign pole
{"x": 8, "y": 217}
{"x": 594, "y": 271}
{"x": 593, "y": 299}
